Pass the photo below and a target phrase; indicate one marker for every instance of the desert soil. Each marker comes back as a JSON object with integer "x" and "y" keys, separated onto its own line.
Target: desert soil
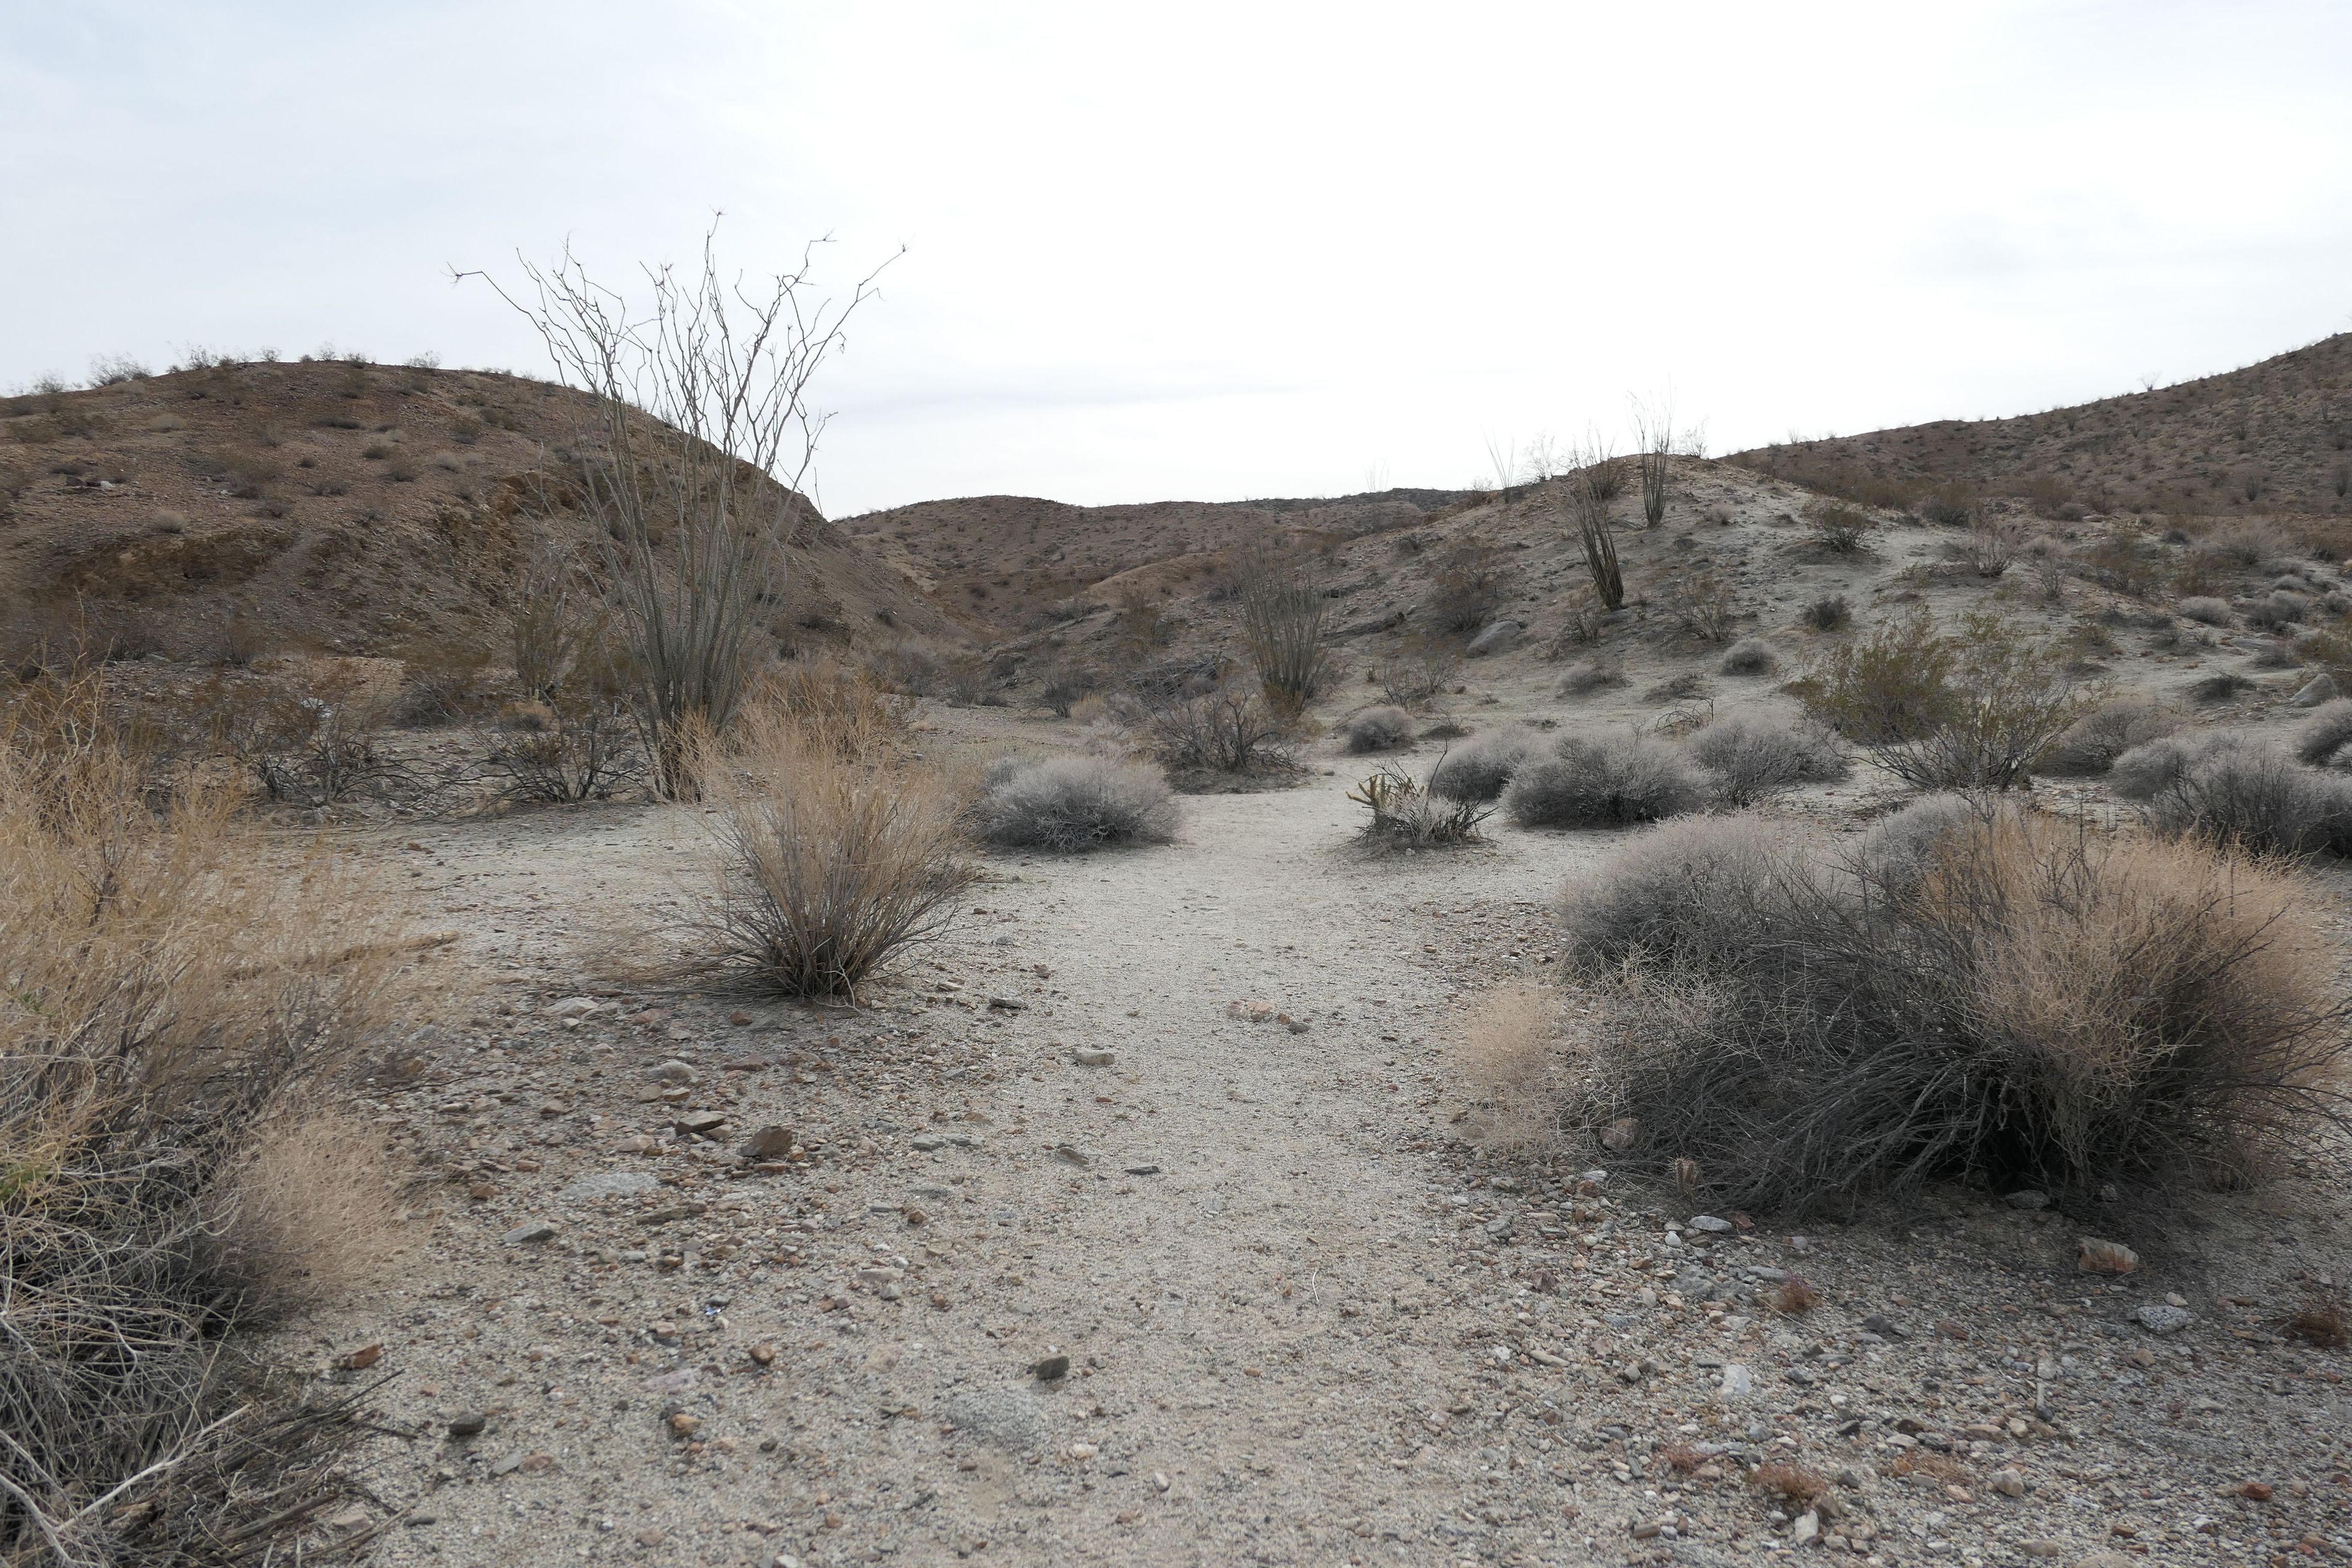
{"x": 1307, "y": 1321}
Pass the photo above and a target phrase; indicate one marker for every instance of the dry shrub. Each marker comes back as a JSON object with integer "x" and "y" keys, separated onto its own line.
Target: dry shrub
{"x": 1225, "y": 732}
{"x": 1754, "y": 758}
{"x": 1790, "y": 1482}
{"x": 1593, "y": 675}
{"x": 1927, "y": 1462}
{"x": 832, "y": 862}
{"x": 2035, "y": 1003}
{"x": 2154, "y": 766}
{"x": 1424, "y": 666}
{"x": 1509, "y": 1052}
{"x": 1838, "y": 529}
{"x": 1407, "y": 815}
{"x": 2319, "y": 1323}
{"x": 2207, "y": 610}
{"x": 1068, "y": 805}
{"x": 1749, "y": 655}
{"x": 1281, "y": 605}
{"x": 1832, "y": 613}
{"x": 1481, "y": 768}
{"x": 178, "y": 1015}
{"x": 1380, "y": 729}
{"x": 2323, "y": 735}
{"x": 2256, "y": 798}
{"x": 2090, "y": 745}
{"x": 1603, "y": 782}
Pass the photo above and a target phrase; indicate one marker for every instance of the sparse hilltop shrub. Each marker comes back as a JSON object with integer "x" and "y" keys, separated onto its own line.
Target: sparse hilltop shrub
{"x": 2153, "y": 766}
{"x": 174, "y": 1171}
{"x": 1832, "y": 613}
{"x": 2257, "y": 798}
{"x": 1840, "y": 529}
{"x": 1067, "y": 805}
{"x": 1966, "y": 707}
{"x": 1603, "y": 782}
{"x": 1407, "y": 815}
{"x": 2207, "y": 610}
{"x": 2034, "y": 1005}
{"x": 1749, "y": 655}
{"x": 2322, "y": 737}
{"x": 1753, "y": 758}
{"x": 1481, "y": 767}
{"x": 2090, "y": 745}
{"x": 1382, "y": 729}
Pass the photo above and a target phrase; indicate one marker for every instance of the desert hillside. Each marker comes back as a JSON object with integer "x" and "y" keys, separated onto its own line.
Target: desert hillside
{"x": 1013, "y": 559}
{"x": 2274, "y": 438}
{"x": 341, "y": 507}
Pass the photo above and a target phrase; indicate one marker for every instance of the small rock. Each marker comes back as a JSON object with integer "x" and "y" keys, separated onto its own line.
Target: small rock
{"x": 702, "y": 1124}
{"x": 2027, "y": 1199}
{"x": 360, "y": 1359}
{"x": 1738, "y": 1382}
{"x": 770, "y": 1143}
{"x": 1251, "y": 1011}
{"x": 607, "y": 1185}
{"x": 673, "y": 1071}
{"x": 1709, "y": 1223}
{"x": 651, "y": 1536}
{"x": 2255, "y": 1491}
{"x": 1620, "y": 1134}
{"x": 1094, "y": 1056}
{"x": 467, "y": 1424}
{"x": 685, "y": 1424}
{"x": 2320, "y": 688}
{"x": 2095, "y": 1257}
{"x": 1053, "y": 1369}
{"x": 1007, "y": 1005}
{"x": 927, "y": 1142}
{"x": 637, "y": 1144}
{"x": 1885, "y": 1327}
{"x": 1807, "y": 1530}
{"x": 739, "y": 1017}
{"x": 2160, "y": 1318}
{"x": 878, "y": 1275}
{"x": 1071, "y": 1155}
{"x": 531, "y": 1230}
{"x": 2009, "y": 1483}
{"x": 1146, "y": 1169}
{"x": 573, "y": 1007}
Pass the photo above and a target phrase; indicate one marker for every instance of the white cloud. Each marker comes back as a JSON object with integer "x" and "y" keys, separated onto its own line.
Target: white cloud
{"x": 1220, "y": 249}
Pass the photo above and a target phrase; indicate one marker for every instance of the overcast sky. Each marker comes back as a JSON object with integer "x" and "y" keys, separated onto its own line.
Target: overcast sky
{"x": 1213, "y": 251}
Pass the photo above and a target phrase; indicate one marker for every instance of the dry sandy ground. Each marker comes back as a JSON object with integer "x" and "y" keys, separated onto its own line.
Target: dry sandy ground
{"x": 1306, "y": 1325}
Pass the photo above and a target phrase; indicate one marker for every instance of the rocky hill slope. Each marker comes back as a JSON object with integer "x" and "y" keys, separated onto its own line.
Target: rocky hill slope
{"x": 346, "y": 506}
{"x": 2275, "y": 437}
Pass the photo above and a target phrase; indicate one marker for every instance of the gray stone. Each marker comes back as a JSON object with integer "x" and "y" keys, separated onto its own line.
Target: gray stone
{"x": 672, "y": 1071}
{"x": 1738, "y": 1382}
{"x": 929, "y": 1142}
{"x": 530, "y": 1230}
{"x": 2027, "y": 1199}
{"x": 2320, "y": 688}
{"x": 1709, "y": 1223}
{"x": 1497, "y": 637}
{"x": 1011, "y": 1417}
{"x": 607, "y": 1185}
{"x": 1071, "y": 1155}
{"x": 2158, "y": 1318}
{"x": 1094, "y": 1056}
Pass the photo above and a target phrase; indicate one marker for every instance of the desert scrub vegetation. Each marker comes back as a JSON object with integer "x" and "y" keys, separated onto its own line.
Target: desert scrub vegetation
{"x": 837, "y": 851}
{"x": 1481, "y": 767}
{"x": 2030, "y": 1002}
{"x": 692, "y": 466}
{"x": 180, "y": 1016}
{"x": 1233, "y": 734}
{"x": 1967, "y": 706}
{"x": 1380, "y": 729}
{"x": 1749, "y": 656}
{"x": 1406, "y": 815}
{"x": 1603, "y": 782}
{"x": 2321, "y": 740}
{"x": 1068, "y": 805}
{"x": 1752, "y": 757}
{"x": 2090, "y": 745}
{"x": 2249, "y": 796}
{"x": 1281, "y": 606}
{"x": 1589, "y": 491}
{"x": 1590, "y": 676}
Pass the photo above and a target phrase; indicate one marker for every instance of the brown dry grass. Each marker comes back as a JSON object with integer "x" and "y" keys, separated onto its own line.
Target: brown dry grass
{"x": 1792, "y": 1483}
{"x": 835, "y": 852}
{"x": 1509, "y": 1057}
{"x": 177, "y": 1014}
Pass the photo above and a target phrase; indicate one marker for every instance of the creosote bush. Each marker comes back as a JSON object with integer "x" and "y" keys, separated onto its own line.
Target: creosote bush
{"x": 1067, "y": 805}
{"x": 2031, "y": 1002}
{"x": 1382, "y": 729}
{"x": 1593, "y": 675}
{"x": 181, "y": 1006}
{"x": 2257, "y": 798}
{"x": 2322, "y": 737}
{"x": 1753, "y": 757}
{"x": 1223, "y": 733}
{"x": 1481, "y": 767}
{"x": 1969, "y": 706}
{"x": 1749, "y": 655}
{"x": 1603, "y": 782}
